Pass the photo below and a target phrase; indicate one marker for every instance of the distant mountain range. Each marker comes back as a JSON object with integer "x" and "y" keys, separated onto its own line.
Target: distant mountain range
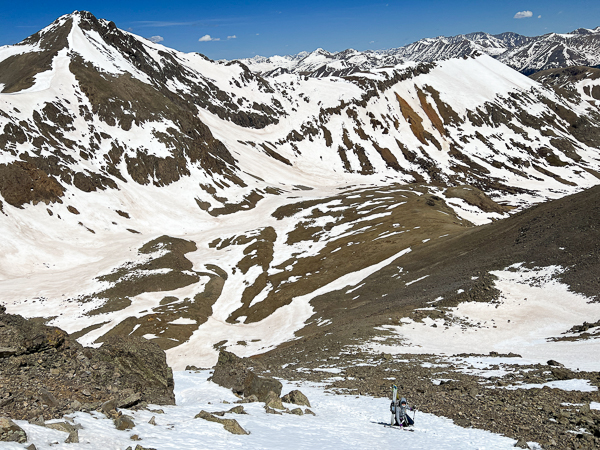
{"x": 525, "y": 54}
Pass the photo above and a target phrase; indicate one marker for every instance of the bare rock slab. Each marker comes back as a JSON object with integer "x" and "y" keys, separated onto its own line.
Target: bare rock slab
{"x": 230, "y": 425}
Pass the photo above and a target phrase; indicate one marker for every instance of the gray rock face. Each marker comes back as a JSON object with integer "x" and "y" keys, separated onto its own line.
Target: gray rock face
{"x": 234, "y": 373}
{"x": 11, "y": 432}
{"x": 145, "y": 366}
{"x": 261, "y": 386}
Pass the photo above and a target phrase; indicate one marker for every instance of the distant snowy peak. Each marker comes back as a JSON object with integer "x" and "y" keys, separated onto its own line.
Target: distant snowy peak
{"x": 523, "y": 53}
{"x": 552, "y": 51}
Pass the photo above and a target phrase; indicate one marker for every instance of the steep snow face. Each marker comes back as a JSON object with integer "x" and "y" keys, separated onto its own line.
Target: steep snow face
{"x": 534, "y": 316}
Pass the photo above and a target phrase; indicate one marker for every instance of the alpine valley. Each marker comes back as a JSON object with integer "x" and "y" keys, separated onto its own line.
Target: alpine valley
{"x": 427, "y": 214}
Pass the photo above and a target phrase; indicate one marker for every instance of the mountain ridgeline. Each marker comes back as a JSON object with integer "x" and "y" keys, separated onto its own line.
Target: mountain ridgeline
{"x": 149, "y": 192}
{"x": 525, "y": 54}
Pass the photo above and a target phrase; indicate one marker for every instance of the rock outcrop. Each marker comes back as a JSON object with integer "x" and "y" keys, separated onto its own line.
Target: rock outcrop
{"x": 45, "y": 372}
{"x": 296, "y": 397}
{"x": 11, "y": 432}
{"x": 234, "y": 373}
{"x": 230, "y": 425}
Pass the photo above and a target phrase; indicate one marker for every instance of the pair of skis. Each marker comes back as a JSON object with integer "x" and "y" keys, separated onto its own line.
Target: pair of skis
{"x": 394, "y": 399}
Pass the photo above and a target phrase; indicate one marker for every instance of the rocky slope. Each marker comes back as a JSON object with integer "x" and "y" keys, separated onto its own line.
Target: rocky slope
{"x": 581, "y": 84}
{"x": 47, "y": 373}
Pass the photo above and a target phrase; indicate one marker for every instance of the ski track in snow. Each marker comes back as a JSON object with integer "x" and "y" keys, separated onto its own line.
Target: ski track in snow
{"x": 340, "y": 422}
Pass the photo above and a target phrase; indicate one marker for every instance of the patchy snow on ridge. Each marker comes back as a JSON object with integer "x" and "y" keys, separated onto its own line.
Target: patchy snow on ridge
{"x": 533, "y": 309}
{"x": 270, "y": 332}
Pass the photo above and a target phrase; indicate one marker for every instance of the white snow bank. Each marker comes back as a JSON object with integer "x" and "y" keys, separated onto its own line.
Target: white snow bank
{"x": 565, "y": 385}
{"x": 340, "y": 422}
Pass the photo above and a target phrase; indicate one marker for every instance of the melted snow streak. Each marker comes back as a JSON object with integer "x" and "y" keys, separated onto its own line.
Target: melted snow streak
{"x": 532, "y": 311}
{"x": 340, "y": 422}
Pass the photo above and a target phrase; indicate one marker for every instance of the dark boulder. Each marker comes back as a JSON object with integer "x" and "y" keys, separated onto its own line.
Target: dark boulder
{"x": 297, "y": 398}
{"x": 124, "y": 422}
{"x": 561, "y": 373}
{"x": 235, "y": 373}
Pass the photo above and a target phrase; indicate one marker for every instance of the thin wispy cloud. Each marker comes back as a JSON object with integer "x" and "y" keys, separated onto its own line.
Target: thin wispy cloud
{"x": 232, "y": 37}
{"x": 207, "y": 38}
{"x": 157, "y": 39}
{"x": 523, "y": 15}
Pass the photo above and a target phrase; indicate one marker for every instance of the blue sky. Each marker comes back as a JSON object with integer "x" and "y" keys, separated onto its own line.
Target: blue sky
{"x": 240, "y": 29}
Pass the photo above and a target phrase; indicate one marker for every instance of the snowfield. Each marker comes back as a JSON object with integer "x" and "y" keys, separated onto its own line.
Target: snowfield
{"x": 340, "y": 422}
{"x": 533, "y": 309}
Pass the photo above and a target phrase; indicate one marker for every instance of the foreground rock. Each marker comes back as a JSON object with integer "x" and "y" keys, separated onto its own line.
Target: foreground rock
{"x": 230, "y": 425}
{"x": 11, "y": 432}
{"x": 45, "y": 372}
{"x": 235, "y": 373}
{"x": 273, "y": 401}
{"x": 296, "y": 397}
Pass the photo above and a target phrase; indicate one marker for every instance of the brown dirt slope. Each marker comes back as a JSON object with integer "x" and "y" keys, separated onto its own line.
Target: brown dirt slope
{"x": 563, "y": 232}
